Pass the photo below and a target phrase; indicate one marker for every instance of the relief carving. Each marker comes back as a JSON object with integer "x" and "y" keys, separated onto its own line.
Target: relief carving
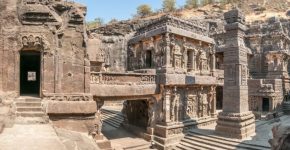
{"x": 192, "y": 106}
{"x": 32, "y": 42}
{"x": 68, "y": 97}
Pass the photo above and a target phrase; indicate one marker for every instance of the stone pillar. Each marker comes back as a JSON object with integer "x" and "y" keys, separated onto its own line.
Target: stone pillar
{"x": 166, "y": 104}
{"x": 213, "y": 61}
{"x": 194, "y": 60}
{"x": 213, "y": 103}
{"x": 235, "y": 121}
{"x": 166, "y": 41}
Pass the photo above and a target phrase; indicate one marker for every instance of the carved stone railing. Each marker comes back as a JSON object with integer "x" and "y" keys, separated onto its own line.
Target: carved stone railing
{"x": 122, "y": 78}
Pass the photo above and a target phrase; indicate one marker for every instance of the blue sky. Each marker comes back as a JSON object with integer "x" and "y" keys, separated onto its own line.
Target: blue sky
{"x": 118, "y": 9}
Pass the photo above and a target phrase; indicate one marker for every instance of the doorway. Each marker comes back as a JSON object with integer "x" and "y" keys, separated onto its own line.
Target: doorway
{"x": 265, "y": 104}
{"x": 148, "y": 59}
{"x": 30, "y": 73}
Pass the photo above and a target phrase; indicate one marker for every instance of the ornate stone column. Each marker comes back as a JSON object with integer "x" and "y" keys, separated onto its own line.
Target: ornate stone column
{"x": 235, "y": 121}
{"x": 166, "y": 106}
{"x": 212, "y": 58}
{"x": 213, "y": 103}
{"x": 166, "y": 42}
{"x": 194, "y": 60}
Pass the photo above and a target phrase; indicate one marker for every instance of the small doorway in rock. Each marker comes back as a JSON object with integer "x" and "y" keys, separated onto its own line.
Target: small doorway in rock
{"x": 148, "y": 59}
{"x": 30, "y": 73}
{"x": 265, "y": 104}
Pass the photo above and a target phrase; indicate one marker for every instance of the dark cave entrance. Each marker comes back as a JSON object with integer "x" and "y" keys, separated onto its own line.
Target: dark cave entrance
{"x": 30, "y": 73}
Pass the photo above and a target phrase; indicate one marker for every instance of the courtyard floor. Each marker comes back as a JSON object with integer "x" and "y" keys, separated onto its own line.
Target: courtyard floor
{"x": 43, "y": 137}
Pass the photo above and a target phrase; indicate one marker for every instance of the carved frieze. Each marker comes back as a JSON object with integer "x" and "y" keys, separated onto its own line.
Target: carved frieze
{"x": 122, "y": 79}
{"x": 69, "y": 97}
{"x": 35, "y": 42}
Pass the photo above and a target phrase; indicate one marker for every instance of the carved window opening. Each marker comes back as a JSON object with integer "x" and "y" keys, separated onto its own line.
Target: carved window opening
{"x": 148, "y": 59}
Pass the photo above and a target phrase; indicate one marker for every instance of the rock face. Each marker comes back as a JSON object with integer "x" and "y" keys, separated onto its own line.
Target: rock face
{"x": 43, "y": 53}
{"x": 167, "y": 70}
{"x": 281, "y": 137}
{"x": 189, "y": 59}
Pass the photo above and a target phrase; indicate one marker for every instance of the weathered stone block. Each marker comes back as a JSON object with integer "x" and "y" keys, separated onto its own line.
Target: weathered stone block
{"x": 66, "y": 108}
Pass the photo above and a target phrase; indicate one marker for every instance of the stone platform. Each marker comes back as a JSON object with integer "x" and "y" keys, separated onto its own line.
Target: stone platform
{"x": 43, "y": 137}
{"x": 206, "y": 137}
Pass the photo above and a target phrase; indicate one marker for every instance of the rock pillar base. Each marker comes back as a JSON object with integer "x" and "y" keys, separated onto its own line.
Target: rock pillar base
{"x": 236, "y": 125}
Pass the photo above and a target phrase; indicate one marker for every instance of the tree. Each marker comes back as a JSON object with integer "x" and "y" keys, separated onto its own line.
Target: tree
{"x": 191, "y": 4}
{"x": 144, "y": 10}
{"x": 96, "y": 23}
{"x": 169, "y": 5}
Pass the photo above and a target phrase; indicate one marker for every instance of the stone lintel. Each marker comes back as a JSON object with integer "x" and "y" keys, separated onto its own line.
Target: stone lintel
{"x": 174, "y": 30}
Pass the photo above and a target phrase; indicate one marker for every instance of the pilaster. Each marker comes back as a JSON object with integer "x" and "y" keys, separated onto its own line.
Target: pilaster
{"x": 235, "y": 120}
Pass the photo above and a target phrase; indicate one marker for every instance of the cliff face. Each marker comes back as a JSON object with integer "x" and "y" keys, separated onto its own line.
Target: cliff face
{"x": 112, "y": 39}
{"x": 108, "y": 45}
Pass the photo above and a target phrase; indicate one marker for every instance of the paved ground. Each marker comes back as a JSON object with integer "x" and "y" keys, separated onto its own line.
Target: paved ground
{"x": 30, "y": 137}
{"x": 43, "y": 137}
{"x": 122, "y": 139}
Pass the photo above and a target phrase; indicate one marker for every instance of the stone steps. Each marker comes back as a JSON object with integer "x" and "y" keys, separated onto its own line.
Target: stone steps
{"x": 29, "y": 111}
{"x": 229, "y": 141}
{"x": 30, "y": 99}
{"x": 198, "y": 140}
{"x": 30, "y": 114}
{"x": 139, "y": 147}
{"x": 112, "y": 118}
{"x": 115, "y": 117}
{"x": 28, "y": 104}
{"x": 186, "y": 146}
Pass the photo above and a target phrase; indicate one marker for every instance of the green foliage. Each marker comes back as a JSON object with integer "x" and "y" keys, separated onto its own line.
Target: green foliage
{"x": 169, "y": 5}
{"x": 96, "y": 23}
{"x": 191, "y": 4}
{"x": 144, "y": 10}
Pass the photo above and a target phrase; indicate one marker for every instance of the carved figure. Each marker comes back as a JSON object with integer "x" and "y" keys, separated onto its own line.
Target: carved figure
{"x": 151, "y": 113}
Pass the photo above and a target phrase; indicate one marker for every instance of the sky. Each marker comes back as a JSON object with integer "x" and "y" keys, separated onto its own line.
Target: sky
{"x": 118, "y": 9}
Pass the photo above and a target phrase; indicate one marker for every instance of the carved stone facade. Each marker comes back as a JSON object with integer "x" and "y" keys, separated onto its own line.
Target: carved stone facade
{"x": 166, "y": 70}
{"x": 43, "y": 53}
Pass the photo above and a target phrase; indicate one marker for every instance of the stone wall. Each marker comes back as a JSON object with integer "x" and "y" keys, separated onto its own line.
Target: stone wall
{"x": 270, "y": 89}
{"x": 59, "y": 38}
